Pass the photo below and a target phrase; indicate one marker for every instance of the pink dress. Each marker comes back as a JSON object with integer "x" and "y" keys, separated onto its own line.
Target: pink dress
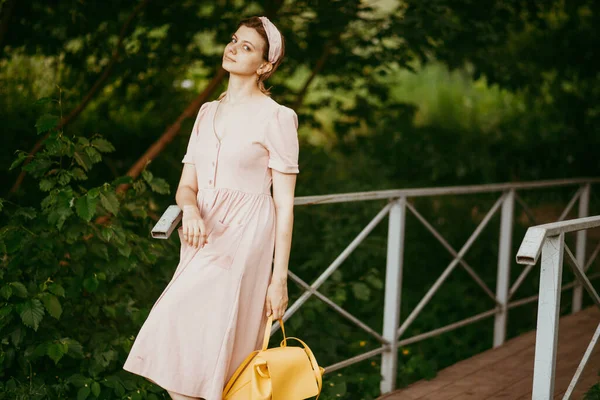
{"x": 211, "y": 315}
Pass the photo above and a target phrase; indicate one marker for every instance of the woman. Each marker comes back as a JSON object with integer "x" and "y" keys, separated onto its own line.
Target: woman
{"x": 213, "y": 311}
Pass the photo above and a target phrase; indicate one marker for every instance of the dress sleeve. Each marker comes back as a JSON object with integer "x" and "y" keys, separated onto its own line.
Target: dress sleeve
{"x": 281, "y": 140}
{"x": 189, "y": 154}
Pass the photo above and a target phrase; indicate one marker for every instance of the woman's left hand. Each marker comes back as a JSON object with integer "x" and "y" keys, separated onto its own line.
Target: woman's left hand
{"x": 277, "y": 299}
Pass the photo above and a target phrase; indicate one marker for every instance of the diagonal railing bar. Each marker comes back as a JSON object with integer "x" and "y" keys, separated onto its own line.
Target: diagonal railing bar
{"x": 451, "y": 250}
{"x": 523, "y": 301}
{"x": 533, "y": 220}
{"x": 593, "y": 257}
{"x": 582, "y": 364}
{"x": 570, "y": 205}
{"x": 447, "y": 328}
{"x": 450, "y": 268}
{"x": 575, "y": 282}
{"x": 338, "y": 261}
{"x": 533, "y": 298}
{"x": 519, "y": 281}
{"x": 581, "y": 277}
{"x": 337, "y": 308}
{"x": 356, "y": 359}
{"x": 526, "y": 208}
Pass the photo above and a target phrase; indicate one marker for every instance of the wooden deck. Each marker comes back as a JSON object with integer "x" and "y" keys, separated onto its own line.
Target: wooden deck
{"x": 506, "y": 372}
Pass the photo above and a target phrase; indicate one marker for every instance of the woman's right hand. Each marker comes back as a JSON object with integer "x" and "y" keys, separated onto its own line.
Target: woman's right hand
{"x": 194, "y": 230}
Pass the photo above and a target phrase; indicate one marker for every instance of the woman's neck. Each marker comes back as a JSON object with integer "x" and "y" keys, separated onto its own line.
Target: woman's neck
{"x": 240, "y": 89}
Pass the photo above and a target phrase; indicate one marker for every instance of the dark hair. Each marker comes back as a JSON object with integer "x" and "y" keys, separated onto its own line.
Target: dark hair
{"x": 256, "y": 23}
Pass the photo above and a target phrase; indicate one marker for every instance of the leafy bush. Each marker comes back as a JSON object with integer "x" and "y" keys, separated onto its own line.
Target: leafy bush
{"x": 72, "y": 264}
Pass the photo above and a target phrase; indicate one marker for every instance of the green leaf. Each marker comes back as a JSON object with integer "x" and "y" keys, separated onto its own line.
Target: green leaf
{"x": 100, "y": 250}
{"x": 56, "y": 351}
{"x": 46, "y": 122}
{"x": 93, "y": 154}
{"x": 86, "y": 207}
{"x": 83, "y": 393}
{"x": 125, "y": 250}
{"x": 17, "y": 336}
{"x": 375, "y": 281}
{"x": 64, "y": 177}
{"x": 96, "y": 389}
{"x": 19, "y": 289}
{"x": 42, "y": 101}
{"x": 136, "y": 396}
{"x": 47, "y": 184}
{"x": 5, "y": 311}
{"x": 106, "y": 234}
{"x": 122, "y": 180}
{"x": 40, "y": 350}
{"x": 78, "y": 380}
{"x": 93, "y": 193}
{"x": 139, "y": 186}
{"x": 361, "y": 291}
{"x": 6, "y": 291}
{"x": 83, "y": 160}
{"x": 75, "y": 348}
{"x": 21, "y": 156}
{"x": 59, "y": 215}
{"x": 91, "y": 284}
{"x": 27, "y": 212}
{"x": 147, "y": 175}
{"x": 78, "y": 174}
{"x": 56, "y": 289}
{"x": 159, "y": 185}
{"x": 38, "y": 166}
{"x": 52, "y": 304}
{"x": 103, "y": 145}
{"x": 110, "y": 202}
{"x": 31, "y": 313}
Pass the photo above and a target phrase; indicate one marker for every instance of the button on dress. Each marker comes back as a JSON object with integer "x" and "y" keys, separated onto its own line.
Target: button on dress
{"x": 211, "y": 315}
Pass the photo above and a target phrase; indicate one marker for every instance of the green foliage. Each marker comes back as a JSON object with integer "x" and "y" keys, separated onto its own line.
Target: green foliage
{"x": 593, "y": 392}
{"x": 66, "y": 280}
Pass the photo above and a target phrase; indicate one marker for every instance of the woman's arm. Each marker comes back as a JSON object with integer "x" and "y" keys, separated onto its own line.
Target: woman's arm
{"x": 194, "y": 232}
{"x": 283, "y": 196}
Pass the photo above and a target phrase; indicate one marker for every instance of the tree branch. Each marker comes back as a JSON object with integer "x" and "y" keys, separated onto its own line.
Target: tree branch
{"x": 172, "y": 131}
{"x": 316, "y": 70}
{"x": 88, "y": 97}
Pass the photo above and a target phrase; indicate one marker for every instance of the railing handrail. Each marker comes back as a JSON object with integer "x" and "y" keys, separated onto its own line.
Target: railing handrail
{"x": 549, "y": 240}
{"x": 439, "y": 191}
{"x": 531, "y": 246}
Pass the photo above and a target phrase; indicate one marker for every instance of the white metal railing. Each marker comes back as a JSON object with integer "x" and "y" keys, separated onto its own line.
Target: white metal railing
{"x": 397, "y": 208}
{"x": 549, "y": 239}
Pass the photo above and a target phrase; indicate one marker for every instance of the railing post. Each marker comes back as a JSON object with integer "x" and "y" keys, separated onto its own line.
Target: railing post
{"x": 584, "y": 202}
{"x": 504, "y": 260}
{"x": 393, "y": 290}
{"x": 547, "y": 318}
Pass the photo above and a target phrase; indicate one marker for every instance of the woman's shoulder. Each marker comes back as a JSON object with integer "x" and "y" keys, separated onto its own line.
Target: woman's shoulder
{"x": 277, "y": 110}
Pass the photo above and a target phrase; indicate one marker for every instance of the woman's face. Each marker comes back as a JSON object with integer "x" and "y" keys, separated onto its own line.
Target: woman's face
{"x": 243, "y": 54}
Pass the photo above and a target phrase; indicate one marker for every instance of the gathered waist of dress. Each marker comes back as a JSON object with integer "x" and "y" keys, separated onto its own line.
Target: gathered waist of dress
{"x": 225, "y": 189}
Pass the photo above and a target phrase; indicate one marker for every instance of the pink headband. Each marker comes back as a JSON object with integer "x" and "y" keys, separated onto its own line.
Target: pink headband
{"x": 274, "y": 37}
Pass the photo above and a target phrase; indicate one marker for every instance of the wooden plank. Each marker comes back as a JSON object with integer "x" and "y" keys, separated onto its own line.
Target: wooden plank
{"x": 506, "y": 372}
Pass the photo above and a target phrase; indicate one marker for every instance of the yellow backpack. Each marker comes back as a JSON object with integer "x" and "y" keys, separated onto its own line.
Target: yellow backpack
{"x": 279, "y": 373}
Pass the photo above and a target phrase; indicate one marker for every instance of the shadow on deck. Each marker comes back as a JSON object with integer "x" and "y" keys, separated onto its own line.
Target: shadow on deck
{"x": 506, "y": 372}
